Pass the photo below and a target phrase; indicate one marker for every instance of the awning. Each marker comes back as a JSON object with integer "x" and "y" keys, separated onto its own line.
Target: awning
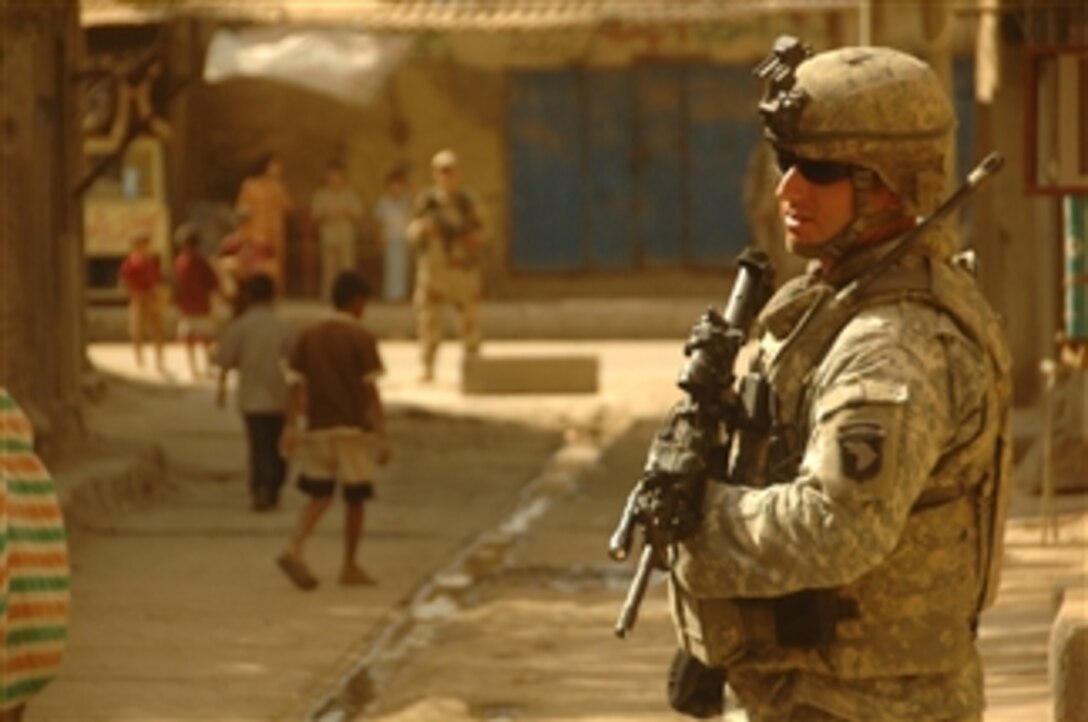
{"x": 344, "y": 64}
{"x": 450, "y": 16}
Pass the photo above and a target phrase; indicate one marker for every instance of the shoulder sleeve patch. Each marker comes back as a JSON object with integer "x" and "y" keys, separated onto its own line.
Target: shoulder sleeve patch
{"x": 855, "y": 444}
{"x": 861, "y": 449}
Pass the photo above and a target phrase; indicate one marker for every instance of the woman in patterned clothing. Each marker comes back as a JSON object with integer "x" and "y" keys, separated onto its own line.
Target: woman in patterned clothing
{"x": 34, "y": 584}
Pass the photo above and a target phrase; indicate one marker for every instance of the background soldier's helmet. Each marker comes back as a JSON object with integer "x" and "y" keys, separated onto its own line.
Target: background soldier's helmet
{"x": 877, "y": 108}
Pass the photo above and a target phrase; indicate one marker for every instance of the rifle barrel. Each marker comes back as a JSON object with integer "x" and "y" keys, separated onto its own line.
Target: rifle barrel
{"x": 635, "y": 592}
{"x": 987, "y": 168}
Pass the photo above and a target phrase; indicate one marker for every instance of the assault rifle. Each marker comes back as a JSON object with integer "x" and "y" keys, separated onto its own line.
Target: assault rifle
{"x": 694, "y": 442}
{"x": 453, "y": 229}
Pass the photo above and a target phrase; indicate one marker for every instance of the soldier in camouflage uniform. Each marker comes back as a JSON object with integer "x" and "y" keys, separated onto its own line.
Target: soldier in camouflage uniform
{"x": 843, "y": 576}
{"x": 446, "y": 233}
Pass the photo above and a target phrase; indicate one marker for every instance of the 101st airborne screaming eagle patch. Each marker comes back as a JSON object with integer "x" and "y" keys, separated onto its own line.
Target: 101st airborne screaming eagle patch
{"x": 861, "y": 449}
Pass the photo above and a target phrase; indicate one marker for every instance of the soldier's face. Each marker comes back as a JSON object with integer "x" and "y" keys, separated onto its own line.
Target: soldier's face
{"x": 813, "y": 212}
{"x": 446, "y": 177}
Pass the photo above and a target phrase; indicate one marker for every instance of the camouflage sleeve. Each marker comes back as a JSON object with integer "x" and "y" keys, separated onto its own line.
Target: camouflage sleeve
{"x": 879, "y": 416}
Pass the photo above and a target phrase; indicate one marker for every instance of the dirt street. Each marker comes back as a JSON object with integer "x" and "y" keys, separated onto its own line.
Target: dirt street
{"x": 496, "y": 599}
{"x": 180, "y": 613}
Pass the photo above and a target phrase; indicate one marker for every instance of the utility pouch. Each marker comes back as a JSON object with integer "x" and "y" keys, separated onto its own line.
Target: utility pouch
{"x": 807, "y": 619}
{"x": 695, "y": 689}
{"x": 755, "y": 398}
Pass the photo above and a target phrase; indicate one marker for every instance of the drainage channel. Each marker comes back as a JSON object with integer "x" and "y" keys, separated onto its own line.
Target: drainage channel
{"x": 413, "y": 626}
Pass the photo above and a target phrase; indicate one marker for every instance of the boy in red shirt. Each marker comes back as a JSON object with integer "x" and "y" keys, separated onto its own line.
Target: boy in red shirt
{"x": 195, "y": 282}
{"x": 333, "y": 370}
{"x": 141, "y": 276}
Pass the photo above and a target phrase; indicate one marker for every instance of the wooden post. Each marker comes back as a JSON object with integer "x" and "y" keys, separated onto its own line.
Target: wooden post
{"x": 41, "y": 308}
{"x": 1046, "y": 500}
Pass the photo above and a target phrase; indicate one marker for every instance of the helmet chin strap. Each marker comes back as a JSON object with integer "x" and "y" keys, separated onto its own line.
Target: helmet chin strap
{"x": 866, "y": 218}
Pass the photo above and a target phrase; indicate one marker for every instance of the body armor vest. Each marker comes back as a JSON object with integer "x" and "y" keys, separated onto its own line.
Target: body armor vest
{"x": 453, "y": 220}
{"x": 898, "y": 618}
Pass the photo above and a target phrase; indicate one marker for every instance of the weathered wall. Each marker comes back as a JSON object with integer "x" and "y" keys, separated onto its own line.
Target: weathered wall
{"x": 1018, "y": 237}
{"x": 446, "y": 105}
{"x": 41, "y": 288}
{"x": 424, "y": 108}
{"x": 451, "y": 93}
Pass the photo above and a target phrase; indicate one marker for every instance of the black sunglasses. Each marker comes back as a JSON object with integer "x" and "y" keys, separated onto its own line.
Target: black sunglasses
{"x": 820, "y": 172}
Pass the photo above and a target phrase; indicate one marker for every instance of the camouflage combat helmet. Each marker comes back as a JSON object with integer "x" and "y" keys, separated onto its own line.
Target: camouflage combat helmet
{"x": 879, "y": 109}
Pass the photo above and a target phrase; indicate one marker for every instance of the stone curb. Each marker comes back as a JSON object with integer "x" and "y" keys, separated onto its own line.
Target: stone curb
{"x": 98, "y": 489}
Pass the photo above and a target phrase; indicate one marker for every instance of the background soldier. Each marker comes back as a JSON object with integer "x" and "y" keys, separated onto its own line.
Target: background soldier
{"x": 446, "y": 233}
{"x": 841, "y": 576}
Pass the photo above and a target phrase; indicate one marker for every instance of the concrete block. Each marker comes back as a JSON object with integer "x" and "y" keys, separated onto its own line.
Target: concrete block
{"x": 567, "y": 374}
{"x": 1068, "y": 658}
{"x": 1063, "y": 586}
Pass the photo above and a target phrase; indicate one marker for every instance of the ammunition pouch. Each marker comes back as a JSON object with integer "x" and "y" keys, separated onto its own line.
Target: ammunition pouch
{"x": 722, "y": 632}
{"x": 807, "y": 619}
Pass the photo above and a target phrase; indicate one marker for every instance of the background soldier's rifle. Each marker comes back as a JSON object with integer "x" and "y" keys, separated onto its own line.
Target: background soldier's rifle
{"x": 693, "y": 443}
{"x": 455, "y": 230}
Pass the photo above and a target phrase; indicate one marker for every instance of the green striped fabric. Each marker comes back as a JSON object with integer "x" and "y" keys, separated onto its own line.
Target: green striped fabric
{"x": 14, "y": 445}
{"x": 32, "y": 487}
{"x": 36, "y": 634}
{"x": 39, "y": 584}
{"x": 35, "y": 535}
{"x": 34, "y": 575}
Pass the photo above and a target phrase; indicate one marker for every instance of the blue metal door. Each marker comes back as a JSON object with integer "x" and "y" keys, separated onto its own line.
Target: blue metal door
{"x": 722, "y": 132}
{"x": 545, "y": 142}
{"x": 608, "y": 147}
{"x": 660, "y": 182}
{"x": 615, "y": 169}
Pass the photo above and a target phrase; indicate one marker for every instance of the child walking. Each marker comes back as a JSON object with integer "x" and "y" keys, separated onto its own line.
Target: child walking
{"x": 195, "y": 283}
{"x": 333, "y": 370}
{"x": 257, "y": 343}
{"x": 141, "y": 277}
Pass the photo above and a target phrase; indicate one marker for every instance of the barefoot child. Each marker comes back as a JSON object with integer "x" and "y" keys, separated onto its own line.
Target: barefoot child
{"x": 195, "y": 283}
{"x": 141, "y": 277}
{"x": 333, "y": 370}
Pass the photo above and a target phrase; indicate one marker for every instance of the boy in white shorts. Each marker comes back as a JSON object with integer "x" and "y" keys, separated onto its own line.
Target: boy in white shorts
{"x": 195, "y": 285}
{"x": 333, "y": 371}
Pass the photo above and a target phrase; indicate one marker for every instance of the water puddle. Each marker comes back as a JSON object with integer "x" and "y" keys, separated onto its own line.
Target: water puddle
{"x": 415, "y": 625}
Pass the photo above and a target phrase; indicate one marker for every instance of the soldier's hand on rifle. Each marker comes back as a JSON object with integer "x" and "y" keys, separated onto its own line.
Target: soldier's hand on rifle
{"x": 670, "y": 507}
